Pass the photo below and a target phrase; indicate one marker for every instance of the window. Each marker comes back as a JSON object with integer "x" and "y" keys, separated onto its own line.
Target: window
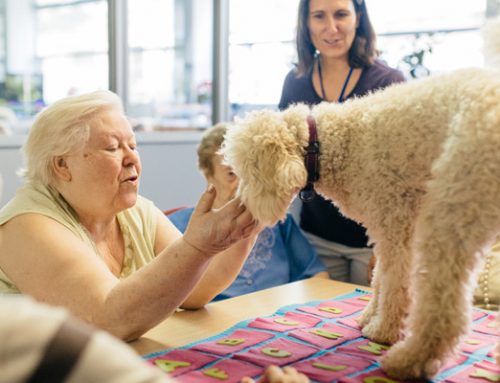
{"x": 168, "y": 47}
{"x": 169, "y": 63}
{"x": 71, "y": 46}
{"x": 418, "y": 37}
{"x": 261, "y": 51}
{"x": 426, "y": 36}
{"x": 53, "y": 49}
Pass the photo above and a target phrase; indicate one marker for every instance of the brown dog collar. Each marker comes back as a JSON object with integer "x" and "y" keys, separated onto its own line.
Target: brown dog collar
{"x": 311, "y": 162}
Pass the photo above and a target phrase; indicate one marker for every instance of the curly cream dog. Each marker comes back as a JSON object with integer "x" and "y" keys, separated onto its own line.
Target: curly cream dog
{"x": 418, "y": 164}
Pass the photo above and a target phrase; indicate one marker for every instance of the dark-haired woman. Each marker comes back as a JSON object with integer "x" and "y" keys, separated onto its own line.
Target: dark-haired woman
{"x": 337, "y": 60}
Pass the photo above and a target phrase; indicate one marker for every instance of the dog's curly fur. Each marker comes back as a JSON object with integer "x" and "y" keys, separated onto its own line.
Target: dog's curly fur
{"x": 418, "y": 164}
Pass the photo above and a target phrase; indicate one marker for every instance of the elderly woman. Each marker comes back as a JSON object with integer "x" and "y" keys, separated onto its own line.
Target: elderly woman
{"x": 78, "y": 234}
{"x": 27, "y": 327}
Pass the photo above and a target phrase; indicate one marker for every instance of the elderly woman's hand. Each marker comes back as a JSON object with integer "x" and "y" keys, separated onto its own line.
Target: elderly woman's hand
{"x": 214, "y": 230}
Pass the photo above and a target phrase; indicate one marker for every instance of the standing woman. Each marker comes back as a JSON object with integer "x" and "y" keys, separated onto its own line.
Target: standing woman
{"x": 337, "y": 60}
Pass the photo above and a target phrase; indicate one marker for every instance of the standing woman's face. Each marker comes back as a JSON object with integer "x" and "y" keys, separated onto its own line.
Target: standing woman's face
{"x": 332, "y": 26}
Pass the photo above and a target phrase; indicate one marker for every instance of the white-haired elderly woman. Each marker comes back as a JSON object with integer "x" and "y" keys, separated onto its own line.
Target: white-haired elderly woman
{"x": 26, "y": 328}
{"x": 78, "y": 234}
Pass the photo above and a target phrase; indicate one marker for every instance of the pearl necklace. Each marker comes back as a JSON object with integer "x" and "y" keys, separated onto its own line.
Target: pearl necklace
{"x": 484, "y": 280}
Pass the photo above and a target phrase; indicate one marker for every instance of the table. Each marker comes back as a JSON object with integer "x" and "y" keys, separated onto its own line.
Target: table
{"x": 187, "y": 326}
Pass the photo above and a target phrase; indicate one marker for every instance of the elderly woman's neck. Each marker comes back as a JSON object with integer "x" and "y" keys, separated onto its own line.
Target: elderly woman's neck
{"x": 99, "y": 227}
{"x": 97, "y": 222}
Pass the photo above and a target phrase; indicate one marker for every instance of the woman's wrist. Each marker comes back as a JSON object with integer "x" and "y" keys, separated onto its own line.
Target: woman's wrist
{"x": 195, "y": 248}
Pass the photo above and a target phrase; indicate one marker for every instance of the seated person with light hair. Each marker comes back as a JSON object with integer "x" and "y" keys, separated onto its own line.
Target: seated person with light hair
{"x": 281, "y": 254}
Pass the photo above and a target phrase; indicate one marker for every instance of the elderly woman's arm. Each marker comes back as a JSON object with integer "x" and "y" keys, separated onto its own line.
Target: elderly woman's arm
{"x": 45, "y": 260}
{"x": 223, "y": 268}
{"x": 221, "y": 272}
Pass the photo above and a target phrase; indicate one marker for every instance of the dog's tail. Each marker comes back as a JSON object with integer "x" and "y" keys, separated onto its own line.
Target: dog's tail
{"x": 491, "y": 37}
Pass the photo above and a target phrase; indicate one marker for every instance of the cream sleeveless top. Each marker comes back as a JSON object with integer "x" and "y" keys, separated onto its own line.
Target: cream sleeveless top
{"x": 138, "y": 225}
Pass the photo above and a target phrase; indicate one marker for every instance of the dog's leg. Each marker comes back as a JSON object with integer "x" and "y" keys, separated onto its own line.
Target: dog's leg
{"x": 371, "y": 309}
{"x": 448, "y": 244}
{"x": 384, "y": 317}
{"x": 497, "y": 357}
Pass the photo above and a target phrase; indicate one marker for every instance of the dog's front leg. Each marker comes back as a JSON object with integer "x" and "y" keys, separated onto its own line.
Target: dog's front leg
{"x": 498, "y": 344}
{"x": 433, "y": 333}
{"x": 441, "y": 310}
{"x": 383, "y": 319}
{"x": 370, "y": 311}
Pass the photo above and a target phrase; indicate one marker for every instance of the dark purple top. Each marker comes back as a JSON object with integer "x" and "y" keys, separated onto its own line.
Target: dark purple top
{"x": 321, "y": 217}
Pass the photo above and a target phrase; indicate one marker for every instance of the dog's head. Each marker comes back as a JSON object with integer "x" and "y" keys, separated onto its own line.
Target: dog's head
{"x": 266, "y": 151}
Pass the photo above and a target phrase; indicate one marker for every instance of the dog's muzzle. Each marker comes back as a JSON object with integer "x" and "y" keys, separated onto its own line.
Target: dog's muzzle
{"x": 311, "y": 162}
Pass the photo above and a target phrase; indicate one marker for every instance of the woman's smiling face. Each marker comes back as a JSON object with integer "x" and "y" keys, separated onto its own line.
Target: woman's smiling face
{"x": 332, "y": 26}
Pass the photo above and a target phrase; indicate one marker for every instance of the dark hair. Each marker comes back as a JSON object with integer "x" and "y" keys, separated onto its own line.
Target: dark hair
{"x": 362, "y": 52}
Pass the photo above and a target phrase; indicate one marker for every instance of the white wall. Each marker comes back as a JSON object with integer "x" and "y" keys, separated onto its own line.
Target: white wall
{"x": 10, "y": 162}
{"x": 170, "y": 176}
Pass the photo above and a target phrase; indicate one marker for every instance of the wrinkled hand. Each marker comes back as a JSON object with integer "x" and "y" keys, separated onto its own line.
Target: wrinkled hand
{"x": 275, "y": 374}
{"x": 214, "y": 230}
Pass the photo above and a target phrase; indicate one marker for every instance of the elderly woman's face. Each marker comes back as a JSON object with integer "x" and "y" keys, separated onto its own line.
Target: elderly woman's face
{"x": 106, "y": 171}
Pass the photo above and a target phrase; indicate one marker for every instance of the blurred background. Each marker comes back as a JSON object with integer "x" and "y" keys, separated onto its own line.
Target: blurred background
{"x": 183, "y": 65}
{"x": 159, "y": 54}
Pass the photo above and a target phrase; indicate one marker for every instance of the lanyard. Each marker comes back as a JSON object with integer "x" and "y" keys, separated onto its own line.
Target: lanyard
{"x": 323, "y": 94}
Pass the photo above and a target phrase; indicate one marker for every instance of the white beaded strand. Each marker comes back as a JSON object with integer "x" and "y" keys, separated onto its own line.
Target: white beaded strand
{"x": 484, "y": 280}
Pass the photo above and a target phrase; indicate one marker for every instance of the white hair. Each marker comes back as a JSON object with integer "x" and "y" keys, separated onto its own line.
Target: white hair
{"x": 60, "y": 129}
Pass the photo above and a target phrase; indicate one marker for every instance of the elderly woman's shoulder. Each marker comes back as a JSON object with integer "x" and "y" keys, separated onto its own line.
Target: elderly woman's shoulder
{"x": 29, "y": 198}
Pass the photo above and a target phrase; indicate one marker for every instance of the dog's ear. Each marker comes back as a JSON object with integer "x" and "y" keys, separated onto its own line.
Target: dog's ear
{"x": 267, "y": 155}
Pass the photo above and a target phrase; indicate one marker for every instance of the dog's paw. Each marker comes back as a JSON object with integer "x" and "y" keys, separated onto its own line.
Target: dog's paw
{"x": 380, "y": 332}
{"x": 367, "y": 315}
{"x": 403, "y": 362}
